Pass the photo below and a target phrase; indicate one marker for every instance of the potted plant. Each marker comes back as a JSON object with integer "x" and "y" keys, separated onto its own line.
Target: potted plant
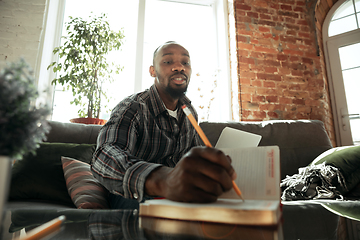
{"x": 84, "y": 68}
{"x": 22, "y": 125}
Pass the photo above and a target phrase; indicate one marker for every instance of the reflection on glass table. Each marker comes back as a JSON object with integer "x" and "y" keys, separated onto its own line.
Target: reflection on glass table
{"x": 301, "y": 220}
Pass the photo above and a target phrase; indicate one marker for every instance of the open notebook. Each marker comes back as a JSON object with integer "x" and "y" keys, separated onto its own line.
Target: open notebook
{"x": 258, "y": 170}
{"x": 235, "y": 138}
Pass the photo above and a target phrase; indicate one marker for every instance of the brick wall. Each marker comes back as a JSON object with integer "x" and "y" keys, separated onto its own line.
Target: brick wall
{"x": 21, "y": 24}
{"x": 281, "y": 66}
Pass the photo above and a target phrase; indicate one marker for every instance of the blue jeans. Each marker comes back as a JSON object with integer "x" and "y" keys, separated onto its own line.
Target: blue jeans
{"x": 119, "y": 202}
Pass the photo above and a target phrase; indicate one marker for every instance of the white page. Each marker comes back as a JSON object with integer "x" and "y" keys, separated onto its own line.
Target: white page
{"x": 258, "y": 172}
{"x": 235, "y": 138}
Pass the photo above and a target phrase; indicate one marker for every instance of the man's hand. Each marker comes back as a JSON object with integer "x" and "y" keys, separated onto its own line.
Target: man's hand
{"x": 201, "y": 175}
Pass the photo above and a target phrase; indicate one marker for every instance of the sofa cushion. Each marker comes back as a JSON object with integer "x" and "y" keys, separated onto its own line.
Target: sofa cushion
{"x": 347, "y": 160}
{"x": 85, "y": 191}
{"x": 300, "y": 141}
{"x": 72, "y": 132}
{"x": 41, "y": 176}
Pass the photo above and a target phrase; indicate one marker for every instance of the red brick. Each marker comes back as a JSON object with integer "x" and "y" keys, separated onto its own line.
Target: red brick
{"x": 264, "y": 29}
{"x": 246, "y": 74}
{"x": 243, "y": 7}
{"x": 256, "y": 83}
{"x": 303, "y": 35}
{"x": 244, "y": 81}
{"x": 265, "y": 49}
{"x": 246, "y": 60}
{"x": 289, "y": 14}
{"x": 268, "y": 76}
{"x": 265, "y": 16}
{"x": 260, "y": 3}
{"x": 273, "y": 115}
{"x": 299, "y": 101}
{"x": 302, "y": 22}
{"x": 266, "y": 23}
{"x": 293, "y": 52}
{"x": 252, "y": 14}
{"x": 270, "y": 63}
{"x": 259, "y": 114}
{"x": 243, "y": 39}
{"x": 307, "y": 60}
{"x": 271, "y": 69}
{"x": 245, "y": 97}
{"x": 284, "y": 100}
{"x": 257, "y": 99}
{"x": 286, "y": 7}
{"x": 282, "y": 57}
{"x": 292, "y": 26}
{"x": 299, "y": 9}
{"x": 244, "y": 46}
{"x": 244, "y": 19}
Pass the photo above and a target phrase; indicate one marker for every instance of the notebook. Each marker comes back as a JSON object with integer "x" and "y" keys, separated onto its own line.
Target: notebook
{"x": 235, "y": 138}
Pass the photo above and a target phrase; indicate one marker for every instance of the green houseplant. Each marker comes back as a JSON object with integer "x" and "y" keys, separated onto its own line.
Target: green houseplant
{"x": 22, "y": 125}
{"x": 84, "y": 68}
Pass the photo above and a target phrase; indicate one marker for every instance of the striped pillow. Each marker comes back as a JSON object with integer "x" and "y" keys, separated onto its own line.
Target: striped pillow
{"x": 85, "y": 191}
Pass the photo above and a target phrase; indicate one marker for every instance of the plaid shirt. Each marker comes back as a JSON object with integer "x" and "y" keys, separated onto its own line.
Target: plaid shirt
{"x": 139, "y": 137}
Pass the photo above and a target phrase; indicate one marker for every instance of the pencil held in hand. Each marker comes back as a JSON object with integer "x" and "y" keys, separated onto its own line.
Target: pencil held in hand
{"x": 206, "y": 141}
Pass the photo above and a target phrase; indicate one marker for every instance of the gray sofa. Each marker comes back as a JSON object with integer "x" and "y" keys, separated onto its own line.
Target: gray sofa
{"x": 300, "y": 142}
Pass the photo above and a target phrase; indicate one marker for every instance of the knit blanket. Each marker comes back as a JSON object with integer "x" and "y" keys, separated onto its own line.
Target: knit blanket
{"x": 313, "y": 182}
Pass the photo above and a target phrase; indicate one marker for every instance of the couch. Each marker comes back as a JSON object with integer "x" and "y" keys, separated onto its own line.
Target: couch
{"x": 39, "y": 181}
{"x": 40, "y": 178}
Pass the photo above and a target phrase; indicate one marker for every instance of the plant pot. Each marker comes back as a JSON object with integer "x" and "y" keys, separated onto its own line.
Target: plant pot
{"x": 5, "y": 174}
{"x": 95, "y": 121}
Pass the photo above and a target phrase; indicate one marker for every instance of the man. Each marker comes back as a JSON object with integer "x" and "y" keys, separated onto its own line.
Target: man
{"x": 148, "y": 148}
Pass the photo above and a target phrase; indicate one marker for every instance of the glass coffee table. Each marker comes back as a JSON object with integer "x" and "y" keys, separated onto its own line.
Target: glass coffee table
{"x": 301, "y": 220}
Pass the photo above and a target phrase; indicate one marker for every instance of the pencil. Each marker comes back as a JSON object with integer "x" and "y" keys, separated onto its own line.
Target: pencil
{"x": 206, "y": 141}
{"x": 44, "y": 230}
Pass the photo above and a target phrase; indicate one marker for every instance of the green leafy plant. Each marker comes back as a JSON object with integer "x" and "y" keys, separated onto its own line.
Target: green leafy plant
{"x": 85, "y": 67}
{"x": 22, "y": 125}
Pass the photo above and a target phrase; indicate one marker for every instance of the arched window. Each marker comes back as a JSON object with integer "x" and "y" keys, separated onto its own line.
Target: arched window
{"x": 341, "y": 36}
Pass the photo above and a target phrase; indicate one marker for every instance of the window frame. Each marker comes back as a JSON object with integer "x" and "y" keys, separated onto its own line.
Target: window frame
{"x": 333, "y": 68}
{"x": 54, "y": 21}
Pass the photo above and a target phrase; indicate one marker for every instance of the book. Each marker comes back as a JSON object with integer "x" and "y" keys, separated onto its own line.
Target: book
{"x": 258, "y": 177}
{"x": 159, "y": 228}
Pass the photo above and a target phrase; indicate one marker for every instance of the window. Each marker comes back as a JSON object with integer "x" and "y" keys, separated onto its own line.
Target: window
{"x": 341, "y": 36}
{"x": 346, "y": 18}
{"x": 200, "y": 26}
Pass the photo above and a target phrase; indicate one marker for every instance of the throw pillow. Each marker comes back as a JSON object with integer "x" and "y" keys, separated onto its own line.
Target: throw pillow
{"x": 347, "y": 160}
{"x": 41, "y": 176}
{"x": 85, "y": 191}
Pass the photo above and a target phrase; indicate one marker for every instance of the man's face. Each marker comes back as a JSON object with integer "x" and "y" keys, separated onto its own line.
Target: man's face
{"x": 172, "y": 70}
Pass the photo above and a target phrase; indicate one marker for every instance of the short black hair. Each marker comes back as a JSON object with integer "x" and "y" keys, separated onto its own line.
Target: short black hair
{"x": 157, "y": 49}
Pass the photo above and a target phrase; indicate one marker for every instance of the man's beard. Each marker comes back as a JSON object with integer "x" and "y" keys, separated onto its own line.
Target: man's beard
{"x": 176, "y": 93}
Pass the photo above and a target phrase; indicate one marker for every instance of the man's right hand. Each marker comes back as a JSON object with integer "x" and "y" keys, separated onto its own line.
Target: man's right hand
{"x": 202, "y": 175}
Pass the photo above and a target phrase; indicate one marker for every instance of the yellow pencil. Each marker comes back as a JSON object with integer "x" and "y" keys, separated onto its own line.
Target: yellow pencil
{"x": 44, "y": 230}
{"x": 206, "y": 141}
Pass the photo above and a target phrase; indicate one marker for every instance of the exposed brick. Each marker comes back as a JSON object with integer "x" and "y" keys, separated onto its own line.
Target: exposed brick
{"x": 289, "y": 73}
{"x": 252, "y": 14}
{"x": 286, "y": 7}
{"x": 269, "y": 77}
{"x": 243, "y": 7}
{"x": 246, "y": 60}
